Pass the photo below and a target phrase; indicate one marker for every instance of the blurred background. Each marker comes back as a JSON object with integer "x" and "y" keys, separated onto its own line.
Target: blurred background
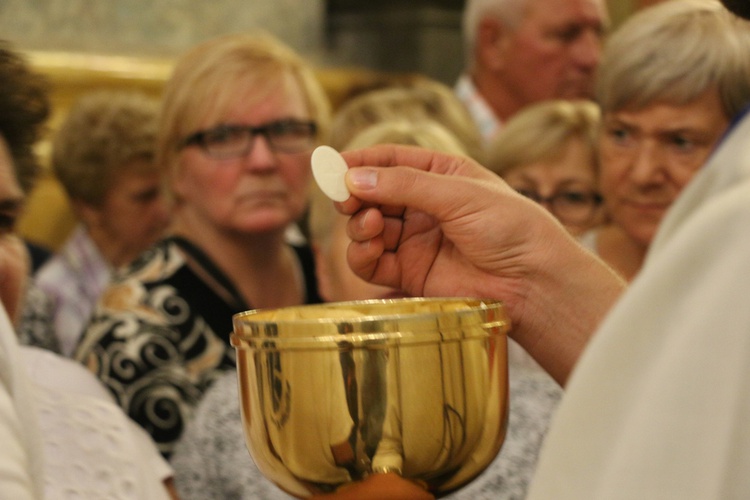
{"x": 383, "y": 35}
{"x": 84, "y": 45}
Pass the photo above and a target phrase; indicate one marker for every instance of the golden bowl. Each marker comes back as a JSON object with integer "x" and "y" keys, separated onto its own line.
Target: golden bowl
{"x": 333, "y": 393}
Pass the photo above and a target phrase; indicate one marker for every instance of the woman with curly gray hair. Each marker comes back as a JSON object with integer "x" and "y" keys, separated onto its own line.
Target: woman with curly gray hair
{"x": 103, "y": 155}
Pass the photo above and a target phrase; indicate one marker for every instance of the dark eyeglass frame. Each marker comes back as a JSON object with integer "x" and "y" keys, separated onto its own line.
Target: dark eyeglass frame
{"x": 591, "y": 199}
{"x": 270, "y": 131}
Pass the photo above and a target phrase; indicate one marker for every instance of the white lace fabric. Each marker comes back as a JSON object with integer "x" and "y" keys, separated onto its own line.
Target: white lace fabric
{"x": 91, "y": 449}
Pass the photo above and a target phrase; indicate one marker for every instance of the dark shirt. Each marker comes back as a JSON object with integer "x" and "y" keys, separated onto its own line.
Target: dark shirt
{"x": 159, "y": 335}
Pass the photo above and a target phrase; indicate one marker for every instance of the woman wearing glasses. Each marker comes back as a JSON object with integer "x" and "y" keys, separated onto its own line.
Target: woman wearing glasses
{"x": 547, "y": 152}
{"x": 241, "y": 115}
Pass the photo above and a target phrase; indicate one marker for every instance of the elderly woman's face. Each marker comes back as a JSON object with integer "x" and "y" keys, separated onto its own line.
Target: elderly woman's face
{"x": 263, "y": 189}
{"x": 566, "y": 186}
{"x": 649, "y": 155}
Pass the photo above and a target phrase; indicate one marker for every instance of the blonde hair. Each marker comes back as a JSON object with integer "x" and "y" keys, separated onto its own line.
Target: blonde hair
{"x": 424, "y": 133}
{"x": 541, "y": 132}
{"x": 205, "y": 80}
{"x": 101, "y": 136}
{"x": 673, "y": 52}
{"x": 420, "y": 100}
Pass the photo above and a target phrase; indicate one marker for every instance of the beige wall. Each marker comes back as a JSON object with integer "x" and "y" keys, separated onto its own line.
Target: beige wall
{"x": 154, "y": 28}
{"x": 396, "y": 38}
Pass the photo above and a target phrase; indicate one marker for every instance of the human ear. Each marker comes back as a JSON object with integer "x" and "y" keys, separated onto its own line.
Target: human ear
{"x": 492, "y": 43}
{"x": 87, "y": 213}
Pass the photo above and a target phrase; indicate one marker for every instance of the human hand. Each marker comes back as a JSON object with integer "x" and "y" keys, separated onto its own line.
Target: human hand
{"x": 388, "y": 486}
{"x": 446, "y": 226}
{"x": 464, "y": 232}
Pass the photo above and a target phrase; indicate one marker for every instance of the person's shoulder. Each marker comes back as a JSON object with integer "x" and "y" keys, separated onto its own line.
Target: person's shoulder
{"x": 222, "y": 396}
{"x": 75, "y": 429}
{"x": 58, "y": 373}
{"x": 157, "y": 263}
{"x": 55, "y": 274}
{"x": 132, "y": 303}
{"x": 66, "y": 262}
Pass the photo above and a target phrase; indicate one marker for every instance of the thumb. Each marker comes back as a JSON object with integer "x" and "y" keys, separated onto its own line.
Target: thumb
{"x": 442, "y": 196}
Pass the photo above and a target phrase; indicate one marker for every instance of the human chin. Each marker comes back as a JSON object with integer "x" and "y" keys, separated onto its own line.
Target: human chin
{"x": 642, "y": 231}
{"x": 576, "y": 89}
{"x": 262, "y": 220}
{"x": 645, "y": 213}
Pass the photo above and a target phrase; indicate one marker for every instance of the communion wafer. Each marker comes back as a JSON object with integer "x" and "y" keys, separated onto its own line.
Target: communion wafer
{"x": 329, "y": 169}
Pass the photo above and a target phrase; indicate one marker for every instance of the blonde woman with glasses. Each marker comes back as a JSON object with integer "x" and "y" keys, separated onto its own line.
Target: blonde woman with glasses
{"x": 241, "y": 115}
{"x": 547, "y": 152}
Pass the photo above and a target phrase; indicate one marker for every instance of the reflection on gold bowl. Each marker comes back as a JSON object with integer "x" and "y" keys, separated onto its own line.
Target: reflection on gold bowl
{"x": 333, "y": 393}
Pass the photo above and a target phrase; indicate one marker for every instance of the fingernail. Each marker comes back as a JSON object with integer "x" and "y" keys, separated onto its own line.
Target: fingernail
{"x": 363, "y": 219}
{"x": 363, "y": 178}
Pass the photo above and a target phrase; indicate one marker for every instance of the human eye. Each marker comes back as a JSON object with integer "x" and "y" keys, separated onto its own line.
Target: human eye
{"x": 619, "y": 134}
{"x": 147, "y": 196}
{"x": 225, "y": 141}
{"x": 291, "y": 135}
{"x": 7, "y": 223}
{"x": 578, "y": 198}
{"x": 290, "y": 128}
{"x": 574, "y": 197}
{"x": 568, "y": 34}
{"x": 223, "y": 135}
{"x": 528, "y": 193}
{"x": 682, "y": 143}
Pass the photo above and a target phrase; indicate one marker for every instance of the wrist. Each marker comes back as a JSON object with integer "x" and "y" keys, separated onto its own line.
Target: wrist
{"x": 564, "y": 302}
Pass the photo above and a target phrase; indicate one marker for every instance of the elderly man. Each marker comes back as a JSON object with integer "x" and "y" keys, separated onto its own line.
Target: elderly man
{"x": 522, "y": 51}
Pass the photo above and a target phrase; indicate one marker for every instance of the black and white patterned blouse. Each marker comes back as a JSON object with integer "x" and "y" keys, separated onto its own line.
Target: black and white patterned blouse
{"x": 159, "y": 335}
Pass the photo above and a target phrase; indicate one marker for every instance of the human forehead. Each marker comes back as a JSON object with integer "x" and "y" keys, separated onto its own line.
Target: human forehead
{"x": 257, "y": 101}
{"x": 703, "y": 113}
{"x": 134, "y": 181}
{"x": 591, "y": 13}
{"x": 569, "y": 172}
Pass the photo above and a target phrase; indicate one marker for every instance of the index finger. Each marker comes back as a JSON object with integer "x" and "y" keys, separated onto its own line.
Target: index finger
{"x": 391, "y": 155}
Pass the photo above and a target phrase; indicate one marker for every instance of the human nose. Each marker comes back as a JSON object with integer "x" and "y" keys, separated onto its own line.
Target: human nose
{"x": 162, "y": 211}
{"x": 588, "y": 49}
{"x": 648, "y": 164}
{"x": 546, "y": 202}
{"x": 545, "y": 199}
{"x": 261, "y": 155}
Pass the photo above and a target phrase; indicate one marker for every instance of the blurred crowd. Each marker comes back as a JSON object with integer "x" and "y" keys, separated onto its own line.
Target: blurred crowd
{"x": 117, "y": 370}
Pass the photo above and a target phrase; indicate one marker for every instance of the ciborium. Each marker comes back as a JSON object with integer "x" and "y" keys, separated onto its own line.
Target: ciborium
{"x": 333, "y": 393}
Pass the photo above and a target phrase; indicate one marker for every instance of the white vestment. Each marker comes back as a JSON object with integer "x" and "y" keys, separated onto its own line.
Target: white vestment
{"x": 658, "y": 406}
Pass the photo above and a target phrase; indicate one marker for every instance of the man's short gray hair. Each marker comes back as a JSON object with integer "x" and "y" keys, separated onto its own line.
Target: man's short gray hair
{"x": 509, "y": 12}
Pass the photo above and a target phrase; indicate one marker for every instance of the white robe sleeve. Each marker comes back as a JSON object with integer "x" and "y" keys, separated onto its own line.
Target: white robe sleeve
{"x": 20, "y": 459}
{"x": 659, "y": 403}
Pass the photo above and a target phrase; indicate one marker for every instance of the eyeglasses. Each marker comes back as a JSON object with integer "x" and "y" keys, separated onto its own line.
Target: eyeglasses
{"x": 234, "y": 141}
{"x": 572, "y": 207}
